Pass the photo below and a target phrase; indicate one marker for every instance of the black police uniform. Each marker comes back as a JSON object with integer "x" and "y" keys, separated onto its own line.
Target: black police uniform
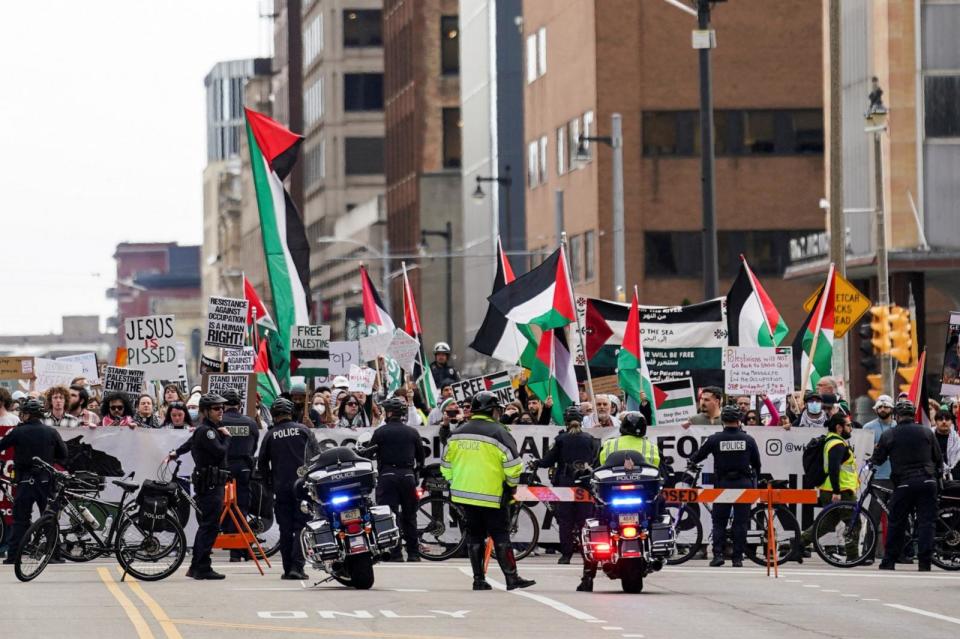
{"x": 31, "y": 439}
{"x": 443, "y": 374}
{"x": 244, "y": 436}
{"x": 736, "y": 464}
{"x": 283, "y": 451}
{"x": 915, "y": 462}
{"x": 208, "y": 446}
{"x": 571, "y": 451}
{"x": 399, "y": 457}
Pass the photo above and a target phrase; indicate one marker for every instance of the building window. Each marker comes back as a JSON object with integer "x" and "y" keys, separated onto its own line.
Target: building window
{"x": 541, "y": 51}
{"x": 313, "y": 103}
{"x": 363, "y": 156}
{"x": 531, "y": 58}
{"x": 313, "y": 40}
{"x": 759, "y": 134}
{"x": 589, "y": 252}
{"x": 362, "y": 28}
{"x": 576, "y": 258}
{"x": 363, "y": 92}
{"x": 561, "y": 150}
{"x": 533, "y": 164}
{"x": 314, "y": 160}
{"x": 449, "y": 45}
{"x": 536, "y": 54}
{"x": 941, "y": 112}
{"x": 452, "y": 138}
{"x": 543, "y": 159}
{"x": 587, "y": 132}
{"x": 573, "y": 141}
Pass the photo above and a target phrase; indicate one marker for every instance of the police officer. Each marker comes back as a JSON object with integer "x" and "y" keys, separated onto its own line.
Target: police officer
{"x": 208, "y": 445}
{"x": 443, "y": 373}
{"x": 915, "y": 461}
{"x": 31, "y": 439}
{"x": 399, "y": 456}
{"x": 244, "y": 436}
{"x": 633, "y": 431}
{"x": 480, "y": 460}
{"x": 285, "y": 447}
{"x": 736, "y": 464}
{"x": 571, "y": 455}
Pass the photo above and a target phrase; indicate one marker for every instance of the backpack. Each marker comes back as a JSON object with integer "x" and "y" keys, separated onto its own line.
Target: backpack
{"x": 813, "y": 472}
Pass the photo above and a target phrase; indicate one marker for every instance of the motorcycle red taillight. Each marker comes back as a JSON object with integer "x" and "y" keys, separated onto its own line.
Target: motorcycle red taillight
{"x": 628, "y": 532}
{"x": 420, "y": 493}
{"x": 353, "y": 527}
{"x": 601, "y": 550}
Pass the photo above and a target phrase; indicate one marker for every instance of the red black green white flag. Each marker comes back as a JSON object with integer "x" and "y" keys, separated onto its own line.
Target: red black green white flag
{"x": 813, "y": 345}
{"x": 375, "y": 314}
{"x": 552, "y": 373}
{"x": 499, "y": 337}
{"x": 752, "y": 319}
{"x": 541, "y": 296}
{"x": 632, "y": 372}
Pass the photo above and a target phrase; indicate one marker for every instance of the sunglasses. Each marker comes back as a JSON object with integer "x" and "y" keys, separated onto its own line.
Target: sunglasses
{"x": 352, "y": 404}
{"x": 116, "y": 407}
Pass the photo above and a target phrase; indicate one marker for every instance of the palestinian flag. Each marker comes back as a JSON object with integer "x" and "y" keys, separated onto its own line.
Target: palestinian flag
{"x": 411, "y": 325}
{"x": 632, "y": 372}
{"x": 265, "y": 335}
{"x": 375, "y": 314}
{"x": 541, "y": 296}
{"x": 267, "y": 384}
{"x": 552, "y": 373}
{"x": 918, "y": 391}
{"x": 752, "y": 319}
{"x": 813, "y": 345}
{"x": 273, "y": 152}
{"x": 499, "y": 337}
{"x": 675, "y": 394}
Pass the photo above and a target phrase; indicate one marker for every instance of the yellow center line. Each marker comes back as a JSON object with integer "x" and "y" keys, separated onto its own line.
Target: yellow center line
{"x": 139, "y": 623}
{"x": 303, "y": 631}
{"x": 158, "y": 613}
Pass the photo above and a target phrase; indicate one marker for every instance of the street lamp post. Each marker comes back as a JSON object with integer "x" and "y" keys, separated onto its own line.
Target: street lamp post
{"x": 704, "y": 42}
{"x": 877, "y": 123}
{"x": 506, "y": 182}
{"x": 446, "y": 234}
{"x": 615, "y": 142}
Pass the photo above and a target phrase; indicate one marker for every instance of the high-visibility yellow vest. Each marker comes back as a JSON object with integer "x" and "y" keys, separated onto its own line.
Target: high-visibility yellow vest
{"x": 849, "y": 480}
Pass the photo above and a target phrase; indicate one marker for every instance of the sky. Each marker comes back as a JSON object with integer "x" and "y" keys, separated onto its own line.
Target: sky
{"x": 102, "y": 128}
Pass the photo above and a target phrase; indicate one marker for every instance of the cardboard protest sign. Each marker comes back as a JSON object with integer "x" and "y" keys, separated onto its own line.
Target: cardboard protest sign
{"x": 343, "y": 355}
{"x": 16, "y": 368}
{"x": 240, "y": 360}
{"x": 226, "y": 322}
{"x": 361, "y": 379}
{"x": 675, "y": 401}
{"x": 498, "y": 383}
{"x": 310, "y": 350}
{"x": 127, "y": 381}
{"x": 374, "y": 346}
{"x": 951, "y": 358}
{"x": 152, "y": 345}
{"x": 404, "y": 349}
{"x": 244, "y": 383}
{"x": 756, "y": 370}
{"x": 88, "y": 363}
{"x": 51, "y": 372}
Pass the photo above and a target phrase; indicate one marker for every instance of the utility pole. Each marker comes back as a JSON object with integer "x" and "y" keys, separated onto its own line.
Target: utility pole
{"x": 838, "y": 224}
{"x": 883, "y": 268}
{"x": 619, "y": 247}
{"x": 703, "y": 40}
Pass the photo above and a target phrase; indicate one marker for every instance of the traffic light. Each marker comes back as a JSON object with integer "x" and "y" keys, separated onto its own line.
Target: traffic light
{"x": 900, "y": 334}
{"x": 876, "y": 386}
{"x": 907, "y": 372}
{"x": 867, "y": 358}
{"x": 880, "y": 327}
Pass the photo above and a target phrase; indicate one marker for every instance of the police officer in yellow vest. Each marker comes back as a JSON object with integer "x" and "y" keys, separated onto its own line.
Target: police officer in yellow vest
{"x": 483, "y": 467}
{"x": 633, "y": 430}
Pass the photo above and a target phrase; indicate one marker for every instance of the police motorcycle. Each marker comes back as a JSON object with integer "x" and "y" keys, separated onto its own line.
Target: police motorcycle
{"x": 630, "y": 536}
{"x": 346, "y": 533}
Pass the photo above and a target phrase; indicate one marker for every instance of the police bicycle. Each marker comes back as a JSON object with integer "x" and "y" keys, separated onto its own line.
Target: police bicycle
{"x": 688, "y": 527}
{"x": 147, "y": 540}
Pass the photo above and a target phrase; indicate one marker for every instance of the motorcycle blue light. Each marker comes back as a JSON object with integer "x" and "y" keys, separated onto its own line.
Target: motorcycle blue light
{"x": 339, "y": 499}
{"x": 626, "y": 501}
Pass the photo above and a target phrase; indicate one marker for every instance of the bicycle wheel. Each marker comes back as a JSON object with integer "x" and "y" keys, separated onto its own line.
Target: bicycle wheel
{"x": 524, "y": 531}
{"x": 77, "y": 543}
{"x": 687, "y": 531}
{"x": 787, "y": 535}
{"x": 946, "y": 540}
{"x": 150, "y": 554}
{"x": 36, "y": 548}
{"x": 440, "y": 528}
{"x": 267, "y": 532}
{"x": 844, "y": 535}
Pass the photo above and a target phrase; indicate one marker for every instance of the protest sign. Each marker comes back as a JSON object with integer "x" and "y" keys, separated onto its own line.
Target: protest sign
{"x": 244, "y": 383}
{"x": 310, "y": 350}
{"x": 950, "y": 386}
{"x": 51, "y": 372}
{"x": 498, "y": 383}
{"x": 16, "y": 368}
{"x": 374, "y": 346}
{"x": 127, "y": 381}
{"x": 88, "y": 363}
{"x": 361, "y": 379}
{"x": 755, "y": 370}
{"x": 343, "y": 355}
{"x": 354, "y": 325}
{"x": 226, "y": 322}
{"x": 210, "y": 365}
{"x": 152, "y": 345}
{"x": 240, "y": 360}
{"x": 674, "y": 401}
{"x": 404, "y": 349}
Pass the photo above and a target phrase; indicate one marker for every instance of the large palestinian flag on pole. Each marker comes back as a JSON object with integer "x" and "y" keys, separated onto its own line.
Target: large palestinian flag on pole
{"x": 499, "y": 337}
{"x": 813, "y": 345}
{"x": 632, "y": 372}
{"x": 552, "y": 373}
{"x": 542, "y": 296}
{"x": 752, "y": 319}
{"x": 273, "y": 152}
{"x": 411, "y": 325}
{"x": 374, "y": 312}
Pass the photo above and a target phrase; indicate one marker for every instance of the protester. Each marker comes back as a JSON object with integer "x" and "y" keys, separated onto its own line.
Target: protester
{"x": 321, "y": 406}
{"x": 946, "y": 433}
{"x": 711, "y": 401}
{"x": 827, "y": 384}
{"x": 540, "y": 411}
{"x": 93, "y": 405}
{"x": 171, "y": 394}
{"x": 511, "y": 412}
{"x": 144, "y": 416}
{"x": 744, "y": 404}
{"x": 298, "y": 395}
{"x": 177, "y": 417}
{"x": 7, "y": 417}
{"x": 78, "y": 402}
{"x": 56, "y": 400}
{"x": 603, "y": 417}
{"x": 436, "y": 416}
{"x": 526, "y": 419}
{"x": 350, "y": 415}
{"x": 116, "y": 411}
{"x": 813, "y": 415}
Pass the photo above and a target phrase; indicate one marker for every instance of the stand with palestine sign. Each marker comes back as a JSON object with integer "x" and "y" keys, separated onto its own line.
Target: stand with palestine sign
{"x": 310, "y": 351}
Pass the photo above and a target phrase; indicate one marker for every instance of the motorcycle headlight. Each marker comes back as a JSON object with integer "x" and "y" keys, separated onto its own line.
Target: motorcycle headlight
{"x": 305, "y": 507}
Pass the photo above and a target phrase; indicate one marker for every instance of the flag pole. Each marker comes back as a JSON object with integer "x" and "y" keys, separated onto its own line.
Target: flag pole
{"x": 816, "y": 333}
{"x": 576, "y": 314}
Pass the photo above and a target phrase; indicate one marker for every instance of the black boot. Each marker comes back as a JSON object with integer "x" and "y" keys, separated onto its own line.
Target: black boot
{"x": 476, "y": 552}
{"x": 508, "y": 564}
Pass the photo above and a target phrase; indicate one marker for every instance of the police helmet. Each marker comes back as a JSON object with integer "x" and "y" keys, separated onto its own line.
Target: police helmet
{"x": 281, "y": 406}
{"x": 31, "y": 406}
{"x": 572, "y": 414}
{"x": 484, "y": 402}
{"x": 210, "y": 399}
{"x": 633, "y": 423}
{"x": 394, "y": 407}
{"x": 905, "y": 408}
{"x": 231, "y": 397}
{"x": 441, "y": 347}
{"x": 730, "y": 414}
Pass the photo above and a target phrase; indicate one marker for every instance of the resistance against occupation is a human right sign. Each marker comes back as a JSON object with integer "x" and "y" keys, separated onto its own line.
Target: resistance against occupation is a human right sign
{"x": 152, "y": 345}
{"x": 226, "y": 322}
